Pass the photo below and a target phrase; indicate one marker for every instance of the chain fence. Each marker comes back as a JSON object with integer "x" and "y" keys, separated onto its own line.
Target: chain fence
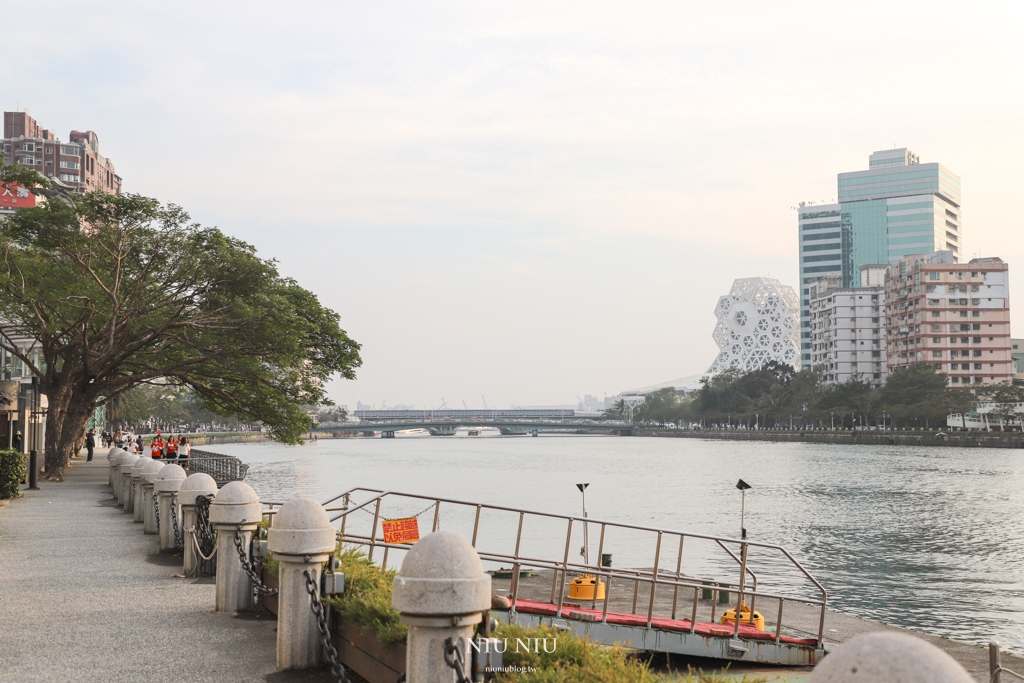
{"x": 179, "y": 542}
{"x": 330, "y": 652}
{"x": 252, "y": 567}
{"x": 454, "y": 658}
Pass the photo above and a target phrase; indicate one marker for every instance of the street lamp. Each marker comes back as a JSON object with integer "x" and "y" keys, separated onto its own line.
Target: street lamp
{"x": 585, "y": 550}
{"x": 743, "y": 486}
{"x": 738, "y": 614}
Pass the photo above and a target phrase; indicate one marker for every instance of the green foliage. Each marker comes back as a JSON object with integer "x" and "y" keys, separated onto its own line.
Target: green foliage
{"x": 367, "y": 597}
{"x": 12, "y": 473}
{"x": 917, "y": 396}
{"x": 578, "y": 660}
{"x": 574, "y": 660}
{"x": 162, "y": 403}
{"x": 120, "y": 290}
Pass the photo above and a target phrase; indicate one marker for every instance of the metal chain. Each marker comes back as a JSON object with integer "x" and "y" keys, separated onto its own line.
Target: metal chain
{"x": 429, "y": 507}
{"x": 156, "y": 509}
{"x": 203, "y": 526}
{"x": 252, "y": 568}
{"x": 321, "y": 623}
{"x": 179, "y": 541}
{"x": 454, "y": 658}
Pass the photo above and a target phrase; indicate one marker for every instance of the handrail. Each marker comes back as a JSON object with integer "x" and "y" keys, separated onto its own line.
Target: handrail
{"x": 564, "y": 566}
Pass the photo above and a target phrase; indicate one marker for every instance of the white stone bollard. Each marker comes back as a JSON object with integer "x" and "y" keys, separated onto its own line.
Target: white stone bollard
{"x": 137, "y": 481}
{"x": 887, "y": 657}
{"x": 166, "y": 484}
{"x": 301, "y": 539}
{"x": 235, "y": 509}
{"x": 128, "y": 461}
{"x": 195, "y": 485}
{"x": 441, "y": 592}
{"x": 113, "y": 460}
{"x": 146, "y": 479}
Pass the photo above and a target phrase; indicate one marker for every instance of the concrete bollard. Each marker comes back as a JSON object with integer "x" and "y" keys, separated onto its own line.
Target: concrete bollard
{"x": 128, "y": 461}
{"x": 146, "y": 479}
{"x": 235, "y": 509}
{"x": 113, "y": 460}
{"x": 301, "y": 539}
{"x": 137, "y": 507}
{"x": 887, "y": 656}
{"x": 195, "y": 485}
{"x": 441, "y": 592}
{"x": 166, "y": 484}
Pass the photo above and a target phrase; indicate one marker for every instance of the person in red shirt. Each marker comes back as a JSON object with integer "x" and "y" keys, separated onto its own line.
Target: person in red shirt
{"x": 172, "y": 448}
{"x": 157, "y": 447}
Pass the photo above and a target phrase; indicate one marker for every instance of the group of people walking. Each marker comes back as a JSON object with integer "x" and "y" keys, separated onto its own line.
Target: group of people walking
{"x": 175, "y": 448}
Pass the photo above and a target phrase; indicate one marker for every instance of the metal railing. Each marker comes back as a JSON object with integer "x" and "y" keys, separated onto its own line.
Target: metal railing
{"x": 657, "y": 577}
{"x": 223, "y": 468}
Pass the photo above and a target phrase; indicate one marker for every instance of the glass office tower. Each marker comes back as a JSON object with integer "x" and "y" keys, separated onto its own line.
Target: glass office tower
{"x": 898, "y": 206}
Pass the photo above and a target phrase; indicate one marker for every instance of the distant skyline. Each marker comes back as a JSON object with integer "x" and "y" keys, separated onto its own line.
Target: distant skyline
{"x": 528, "y": 202}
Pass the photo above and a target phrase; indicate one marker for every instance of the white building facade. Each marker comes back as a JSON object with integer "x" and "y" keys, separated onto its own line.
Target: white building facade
{"x": 758, "y": 322}
{"x": 847, "y": 326}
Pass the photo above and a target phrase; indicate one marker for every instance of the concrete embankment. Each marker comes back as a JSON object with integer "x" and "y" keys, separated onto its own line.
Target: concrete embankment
{"x": 847, "y": 437}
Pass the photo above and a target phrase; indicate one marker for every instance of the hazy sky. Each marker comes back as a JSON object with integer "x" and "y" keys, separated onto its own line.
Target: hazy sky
{"x": 527, "y": 201}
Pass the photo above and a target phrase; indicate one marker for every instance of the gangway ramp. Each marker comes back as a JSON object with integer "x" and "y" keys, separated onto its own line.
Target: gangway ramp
{"x": 656, "y": 603}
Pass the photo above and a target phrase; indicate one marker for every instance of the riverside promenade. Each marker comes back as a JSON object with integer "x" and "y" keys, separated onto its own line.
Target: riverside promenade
{"x": 86, "y": 596}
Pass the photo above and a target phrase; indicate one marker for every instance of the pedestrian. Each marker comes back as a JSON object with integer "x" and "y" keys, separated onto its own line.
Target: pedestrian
{"x": 18, "y": 444}
{"x": 172, "y": 448}
{"x": 184, "y": 451}
{"x": 138, "y": 444}
{"x": 156, "y": 448}
{"x": 90, "y": 444}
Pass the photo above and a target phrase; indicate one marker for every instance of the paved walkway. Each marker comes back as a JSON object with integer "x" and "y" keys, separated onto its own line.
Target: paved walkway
{"x": 86, "y": 596}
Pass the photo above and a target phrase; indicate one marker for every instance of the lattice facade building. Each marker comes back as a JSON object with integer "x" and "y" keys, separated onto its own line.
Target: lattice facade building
{"x": 758, "y": 322}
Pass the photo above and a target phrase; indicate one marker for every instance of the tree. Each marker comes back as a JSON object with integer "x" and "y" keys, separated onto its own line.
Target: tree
{"x": 660, "y": 406}
{"x": 917, "y": 393}
{"x": 115, "y": 291}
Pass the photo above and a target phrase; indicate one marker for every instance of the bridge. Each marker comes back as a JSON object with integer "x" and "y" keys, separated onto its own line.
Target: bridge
{"x": 446, "y": 422}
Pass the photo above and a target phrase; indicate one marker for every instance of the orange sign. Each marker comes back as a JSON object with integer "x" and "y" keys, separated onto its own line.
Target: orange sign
{"x": 401, "y": 530}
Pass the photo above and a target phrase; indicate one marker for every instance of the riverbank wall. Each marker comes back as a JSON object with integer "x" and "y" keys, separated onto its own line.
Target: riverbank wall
{"x": 849, "y": 438}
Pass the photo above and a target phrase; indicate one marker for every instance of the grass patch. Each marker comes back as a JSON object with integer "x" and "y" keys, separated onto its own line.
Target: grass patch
{"x": 367, "y": 598}
{"x": 578, "y": 660}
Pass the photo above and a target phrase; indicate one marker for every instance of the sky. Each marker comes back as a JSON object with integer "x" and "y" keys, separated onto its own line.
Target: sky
{"x": 523, "y": 203}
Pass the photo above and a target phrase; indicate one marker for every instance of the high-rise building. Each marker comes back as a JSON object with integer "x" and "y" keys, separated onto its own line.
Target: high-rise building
{"x": 954, "y": 315}
{"x": 757, "y": 323}
{"x": 897, "y": 207}
{"x": 77, "y": 164}
{"x": 848, "y": 329}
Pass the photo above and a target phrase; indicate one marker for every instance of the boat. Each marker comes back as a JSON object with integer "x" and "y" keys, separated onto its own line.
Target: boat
{"x": 504, "y": 573}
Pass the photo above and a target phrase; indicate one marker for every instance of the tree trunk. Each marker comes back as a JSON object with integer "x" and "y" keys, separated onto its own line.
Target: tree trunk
{"x": 66, "y": 419}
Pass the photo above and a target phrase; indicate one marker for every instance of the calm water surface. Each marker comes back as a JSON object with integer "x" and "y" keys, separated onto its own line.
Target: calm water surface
{"x": 931, "y": 539}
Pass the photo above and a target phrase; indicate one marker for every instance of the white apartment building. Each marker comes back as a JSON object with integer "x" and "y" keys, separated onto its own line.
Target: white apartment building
{"x": 847, "y": 326}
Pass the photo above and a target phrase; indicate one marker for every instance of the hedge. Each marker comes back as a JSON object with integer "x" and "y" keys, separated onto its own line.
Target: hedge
{"x": 12, "y": 473}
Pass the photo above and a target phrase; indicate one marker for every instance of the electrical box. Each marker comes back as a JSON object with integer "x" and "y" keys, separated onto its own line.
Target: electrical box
{"x": 485, "y": 653}
{"x": 333, "y": 583}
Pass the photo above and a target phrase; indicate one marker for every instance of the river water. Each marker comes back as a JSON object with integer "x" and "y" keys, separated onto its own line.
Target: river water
{"x": 928, "y": 538}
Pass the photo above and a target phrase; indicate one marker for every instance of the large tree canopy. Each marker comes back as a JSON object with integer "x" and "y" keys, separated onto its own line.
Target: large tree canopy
{"x": 114, "y": 291}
